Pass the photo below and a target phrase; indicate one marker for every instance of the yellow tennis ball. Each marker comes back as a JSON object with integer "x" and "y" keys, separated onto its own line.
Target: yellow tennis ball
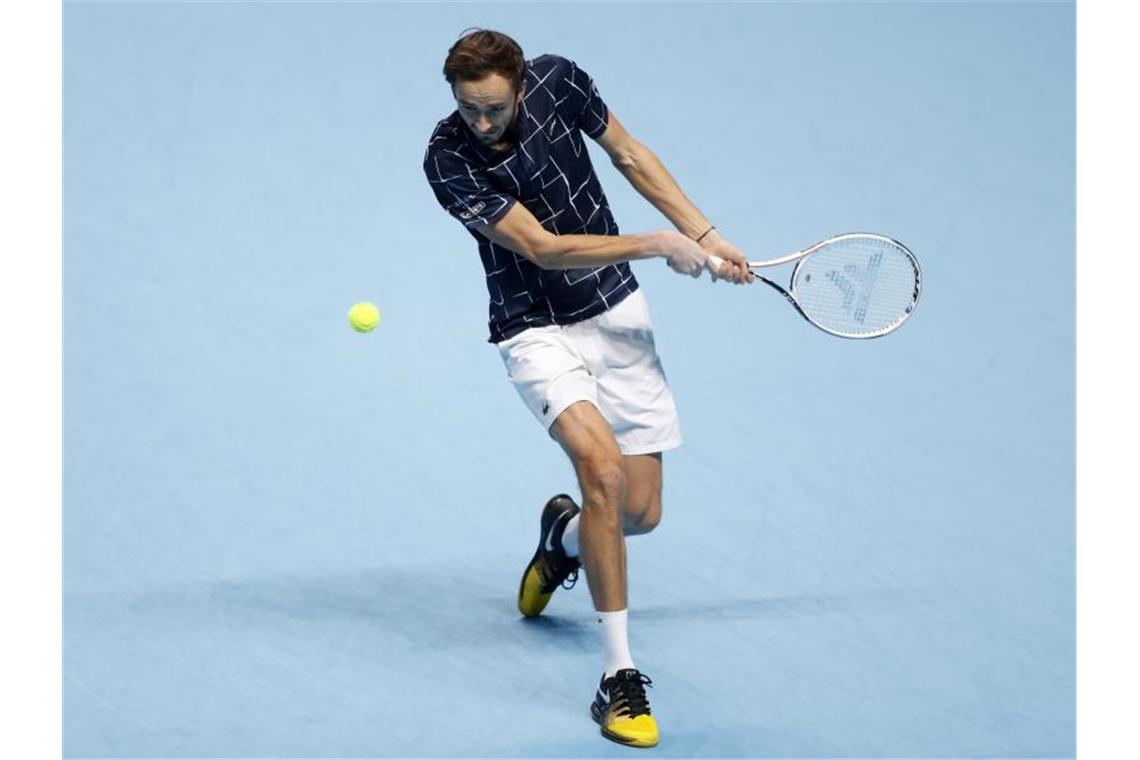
{"x": 364, "y": 317}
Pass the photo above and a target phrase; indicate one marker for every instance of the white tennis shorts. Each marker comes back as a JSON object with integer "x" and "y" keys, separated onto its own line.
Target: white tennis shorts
{"x": 609, "y": 360}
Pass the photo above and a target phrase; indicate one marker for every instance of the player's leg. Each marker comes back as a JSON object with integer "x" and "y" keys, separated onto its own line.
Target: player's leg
{"x": 620, "y": 706}
{"x": 641, "y": 511}
{"x": 586, "y": 438}
{"x": 591, "y": 535}
{"x": 549, "y": 375}
{"x": 557, "y": 558}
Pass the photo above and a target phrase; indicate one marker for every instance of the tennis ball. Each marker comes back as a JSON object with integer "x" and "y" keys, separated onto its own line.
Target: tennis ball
{"x": 364, "y": 317}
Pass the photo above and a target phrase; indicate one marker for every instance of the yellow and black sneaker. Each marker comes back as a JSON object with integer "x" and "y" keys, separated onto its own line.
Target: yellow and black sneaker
{"x": 622, "y": 709}
{"x": 550, "y": 566}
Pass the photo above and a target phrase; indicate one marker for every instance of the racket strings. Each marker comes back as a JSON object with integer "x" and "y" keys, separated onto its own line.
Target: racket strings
{"x": 857, "y": 286}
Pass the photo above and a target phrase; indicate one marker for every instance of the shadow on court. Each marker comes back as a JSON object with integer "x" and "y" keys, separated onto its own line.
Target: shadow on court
{"x": 428, "y": 608}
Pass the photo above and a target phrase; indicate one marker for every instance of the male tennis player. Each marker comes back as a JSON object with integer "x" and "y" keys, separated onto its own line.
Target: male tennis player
{"x": 570, "y": 323}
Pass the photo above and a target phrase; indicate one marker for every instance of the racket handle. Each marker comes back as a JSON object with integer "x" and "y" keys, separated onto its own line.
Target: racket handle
{"x": 712, "y": 263}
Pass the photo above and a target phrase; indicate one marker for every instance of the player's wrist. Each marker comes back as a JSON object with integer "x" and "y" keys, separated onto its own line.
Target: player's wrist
{"x": 654, "y": 245}
{"x": 707, "y": 239}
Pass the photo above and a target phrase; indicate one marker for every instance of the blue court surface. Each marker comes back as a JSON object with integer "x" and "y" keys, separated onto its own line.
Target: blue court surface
{"x": 287, "y": 539}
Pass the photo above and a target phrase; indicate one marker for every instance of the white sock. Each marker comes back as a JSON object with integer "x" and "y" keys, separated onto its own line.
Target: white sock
{"x": 570, "y": 536}
{"x": 615, "y": 641}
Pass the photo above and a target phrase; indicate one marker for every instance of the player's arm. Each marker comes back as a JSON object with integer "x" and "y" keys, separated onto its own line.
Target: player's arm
{"x": 522, "y": 233}
{"x": 641, "y": 167}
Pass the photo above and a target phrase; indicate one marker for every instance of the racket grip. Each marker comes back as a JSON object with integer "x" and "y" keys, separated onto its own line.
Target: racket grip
{"x": 712, "y": 263}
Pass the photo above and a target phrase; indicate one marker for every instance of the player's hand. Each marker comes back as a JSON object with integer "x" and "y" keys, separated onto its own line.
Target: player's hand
{"x": 735, "y": 266}
{"x": 682, "y": 254}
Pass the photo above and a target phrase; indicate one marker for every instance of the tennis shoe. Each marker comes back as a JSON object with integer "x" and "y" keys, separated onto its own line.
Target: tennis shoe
{"x": 550, "y": 567}
{"x": 621, "y": 708}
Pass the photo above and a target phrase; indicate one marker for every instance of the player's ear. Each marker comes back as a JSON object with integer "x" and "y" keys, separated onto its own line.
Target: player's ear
{"x": 522, "y": 91}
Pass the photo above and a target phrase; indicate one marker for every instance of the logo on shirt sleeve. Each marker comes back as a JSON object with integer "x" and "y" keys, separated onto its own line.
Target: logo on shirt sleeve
{"x": 473, "y": 210}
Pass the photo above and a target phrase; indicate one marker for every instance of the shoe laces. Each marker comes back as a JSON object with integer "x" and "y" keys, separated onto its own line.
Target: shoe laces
{"x": 550, "y": 579}
{"x": 571, "y": 579}
{"x": 627, "y": 693}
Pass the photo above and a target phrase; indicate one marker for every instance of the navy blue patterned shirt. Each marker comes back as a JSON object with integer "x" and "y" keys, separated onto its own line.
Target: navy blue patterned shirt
{"x": 548, "y": 170}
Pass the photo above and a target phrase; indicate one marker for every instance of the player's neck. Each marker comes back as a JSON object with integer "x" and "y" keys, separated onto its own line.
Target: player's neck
{"x": 506, "y": 143}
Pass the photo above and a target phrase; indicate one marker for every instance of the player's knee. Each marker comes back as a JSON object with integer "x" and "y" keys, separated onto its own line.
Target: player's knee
{"x": 603, "y": 482}
{"x": 649, "y": 520}
{"x": 643, "y": 518}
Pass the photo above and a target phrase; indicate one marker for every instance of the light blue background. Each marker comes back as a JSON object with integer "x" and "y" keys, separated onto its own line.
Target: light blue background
{"x": 283, "y": 538}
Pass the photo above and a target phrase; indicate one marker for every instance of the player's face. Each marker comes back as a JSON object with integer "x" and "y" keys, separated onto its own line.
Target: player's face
{"x": 488, "y": 106}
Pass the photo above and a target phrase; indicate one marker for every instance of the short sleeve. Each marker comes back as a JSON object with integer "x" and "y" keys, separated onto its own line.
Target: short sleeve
{"x": 464, "y": 190}
{"x": 580, "y": 103}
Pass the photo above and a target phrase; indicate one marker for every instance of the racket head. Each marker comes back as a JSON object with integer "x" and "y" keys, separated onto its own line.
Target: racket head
{"x": 857, "y": 285}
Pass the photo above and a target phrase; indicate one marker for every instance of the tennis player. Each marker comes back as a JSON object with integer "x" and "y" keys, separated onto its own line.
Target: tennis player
{"x": 571, "y": 325}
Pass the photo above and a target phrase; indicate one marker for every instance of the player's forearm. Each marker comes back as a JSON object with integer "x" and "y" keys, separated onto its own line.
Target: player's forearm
{"x": 653, "y": 181}
{"x": 581, "y": 251}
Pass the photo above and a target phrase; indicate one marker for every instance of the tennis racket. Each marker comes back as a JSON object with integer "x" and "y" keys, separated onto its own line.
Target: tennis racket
{"x": 856, "y": 285}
